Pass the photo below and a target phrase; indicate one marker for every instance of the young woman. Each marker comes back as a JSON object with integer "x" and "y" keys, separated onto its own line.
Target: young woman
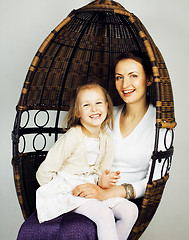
{"x": 134, "y": 130}
{"x": 84, "y": 155}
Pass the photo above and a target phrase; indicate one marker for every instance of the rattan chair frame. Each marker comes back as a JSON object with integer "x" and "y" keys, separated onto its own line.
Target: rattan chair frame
{"x": 56, "y": 97}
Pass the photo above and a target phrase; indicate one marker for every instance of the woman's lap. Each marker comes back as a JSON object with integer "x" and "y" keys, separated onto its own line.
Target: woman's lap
{"x": 66, "y": 227}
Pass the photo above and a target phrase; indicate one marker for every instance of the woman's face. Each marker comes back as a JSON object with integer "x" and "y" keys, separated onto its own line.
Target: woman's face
{"x": 131, "y": 81}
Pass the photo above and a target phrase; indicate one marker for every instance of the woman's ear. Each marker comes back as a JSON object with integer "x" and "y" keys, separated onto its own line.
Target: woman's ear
{"x": 149, "y": 81}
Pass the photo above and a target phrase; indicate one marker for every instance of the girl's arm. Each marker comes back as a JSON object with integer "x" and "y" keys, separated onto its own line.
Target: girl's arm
{"x": 51, "y": 164}
{"x": 60, "y": 151}
{"x": 106, "y": 161}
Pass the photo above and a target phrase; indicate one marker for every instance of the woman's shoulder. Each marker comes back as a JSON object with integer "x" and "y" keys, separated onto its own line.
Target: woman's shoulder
{"x": 151, "y": 113}
{"x": 152, "y": 108}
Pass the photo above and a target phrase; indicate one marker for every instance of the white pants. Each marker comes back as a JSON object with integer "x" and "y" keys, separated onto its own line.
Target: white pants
{"x": 125, "y": 212}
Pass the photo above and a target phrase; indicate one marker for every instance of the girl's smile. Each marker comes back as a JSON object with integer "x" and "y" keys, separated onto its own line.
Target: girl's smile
{"x": 95, "y": 116}
{"x": 92, "y": 107}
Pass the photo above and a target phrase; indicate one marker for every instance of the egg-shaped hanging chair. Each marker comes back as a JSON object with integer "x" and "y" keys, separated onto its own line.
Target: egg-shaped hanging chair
{"x": 81, "y": 49}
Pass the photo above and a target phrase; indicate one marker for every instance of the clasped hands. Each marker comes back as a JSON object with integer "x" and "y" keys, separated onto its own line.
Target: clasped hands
{"x": 89, "y": 190}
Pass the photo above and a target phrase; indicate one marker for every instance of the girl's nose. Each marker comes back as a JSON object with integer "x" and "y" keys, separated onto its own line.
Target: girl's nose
{"x": 93, "y": 108}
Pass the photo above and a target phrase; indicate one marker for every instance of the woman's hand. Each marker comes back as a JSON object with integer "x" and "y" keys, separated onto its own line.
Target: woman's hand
{"x": 89, "y": 190}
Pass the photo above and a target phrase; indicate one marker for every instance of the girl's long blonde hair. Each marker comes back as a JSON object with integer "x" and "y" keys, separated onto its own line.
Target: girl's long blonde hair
{"x": 71, "y": 119}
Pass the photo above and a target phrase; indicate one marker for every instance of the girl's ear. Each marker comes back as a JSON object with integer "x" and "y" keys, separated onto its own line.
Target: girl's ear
{"x": 77, "y": 114}
{"x": 76, "y": 109}
{"x": 149, "y": 81}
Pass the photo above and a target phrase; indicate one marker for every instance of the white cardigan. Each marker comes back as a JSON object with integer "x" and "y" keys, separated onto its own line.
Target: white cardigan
{"x": 69, "y": 154}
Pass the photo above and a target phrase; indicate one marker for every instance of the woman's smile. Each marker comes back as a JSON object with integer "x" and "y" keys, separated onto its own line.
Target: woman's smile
{"x": 128, "y": 92}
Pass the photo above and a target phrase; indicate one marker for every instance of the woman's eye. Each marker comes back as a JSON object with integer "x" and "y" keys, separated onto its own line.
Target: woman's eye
{"x": 134, "y": 76}
{"x": 118, "y": 78}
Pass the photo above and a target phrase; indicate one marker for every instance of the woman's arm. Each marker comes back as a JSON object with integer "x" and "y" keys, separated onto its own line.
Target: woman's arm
{"x": 140, "y": 186}
{"x": 89, "y": 190}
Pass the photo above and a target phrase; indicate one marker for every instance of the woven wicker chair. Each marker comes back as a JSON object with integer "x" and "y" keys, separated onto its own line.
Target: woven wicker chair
{"x": 82, "y": 49}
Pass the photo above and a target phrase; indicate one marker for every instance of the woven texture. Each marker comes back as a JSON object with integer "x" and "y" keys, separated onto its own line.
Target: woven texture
{"x": 82, "y": 49}
{"x": 149, "y": 206}
{"x": 25, "y": 180}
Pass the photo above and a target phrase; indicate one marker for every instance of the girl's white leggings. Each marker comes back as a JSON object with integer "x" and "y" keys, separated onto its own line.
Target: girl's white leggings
{"x": 125, "y": 213}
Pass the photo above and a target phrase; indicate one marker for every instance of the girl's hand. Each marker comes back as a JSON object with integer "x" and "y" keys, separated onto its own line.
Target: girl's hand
{"x": 113, "y": 177}
{"x": 109, "y": 179}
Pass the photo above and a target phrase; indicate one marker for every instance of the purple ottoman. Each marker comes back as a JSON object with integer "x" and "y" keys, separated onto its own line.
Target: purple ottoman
{"x": 66, "y": 227}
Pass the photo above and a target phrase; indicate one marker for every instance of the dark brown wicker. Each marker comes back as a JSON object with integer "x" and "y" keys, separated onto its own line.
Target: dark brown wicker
{"x": 81, "y": 49}
{"x": 149, "y": 206}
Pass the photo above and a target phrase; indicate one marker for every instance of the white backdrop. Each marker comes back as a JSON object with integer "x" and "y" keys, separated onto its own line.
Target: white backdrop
{"x": 25, "y": 24}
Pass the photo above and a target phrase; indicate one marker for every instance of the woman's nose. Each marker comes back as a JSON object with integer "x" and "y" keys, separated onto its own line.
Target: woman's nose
{"x": 126, "y": 82}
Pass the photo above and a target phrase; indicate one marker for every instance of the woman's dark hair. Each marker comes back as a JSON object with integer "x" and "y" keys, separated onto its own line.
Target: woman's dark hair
{"x": 140, "y": 57}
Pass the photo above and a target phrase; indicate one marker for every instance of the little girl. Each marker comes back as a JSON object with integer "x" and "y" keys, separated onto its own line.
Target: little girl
{"x": 84, "y": 155}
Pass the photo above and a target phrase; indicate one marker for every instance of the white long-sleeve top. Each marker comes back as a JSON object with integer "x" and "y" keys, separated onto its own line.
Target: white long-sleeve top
{"x": 132, "y": 154}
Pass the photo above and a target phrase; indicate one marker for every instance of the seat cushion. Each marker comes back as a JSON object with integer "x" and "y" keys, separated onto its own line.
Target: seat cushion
{"x": 66, "y": 227}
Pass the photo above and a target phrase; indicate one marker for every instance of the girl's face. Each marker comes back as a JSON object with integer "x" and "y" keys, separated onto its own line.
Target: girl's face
{"x": 92, "y": 107}
{"x": 131, "y": 81}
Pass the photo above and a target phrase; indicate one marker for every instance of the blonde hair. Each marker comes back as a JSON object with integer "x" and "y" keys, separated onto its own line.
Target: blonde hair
{"x": 71, "y": 119}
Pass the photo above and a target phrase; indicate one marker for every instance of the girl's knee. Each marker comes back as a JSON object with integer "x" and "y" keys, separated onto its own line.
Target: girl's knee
{"x": 127, "y": 210}
{"x": 100, "y": 208}
{"x": 105, "y": 213}
{"x": 134, "y": 211}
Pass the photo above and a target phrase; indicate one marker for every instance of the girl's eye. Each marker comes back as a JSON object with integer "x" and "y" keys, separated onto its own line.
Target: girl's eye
{"x": 86, "y": 105}
{"x": 100, "y": 102}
